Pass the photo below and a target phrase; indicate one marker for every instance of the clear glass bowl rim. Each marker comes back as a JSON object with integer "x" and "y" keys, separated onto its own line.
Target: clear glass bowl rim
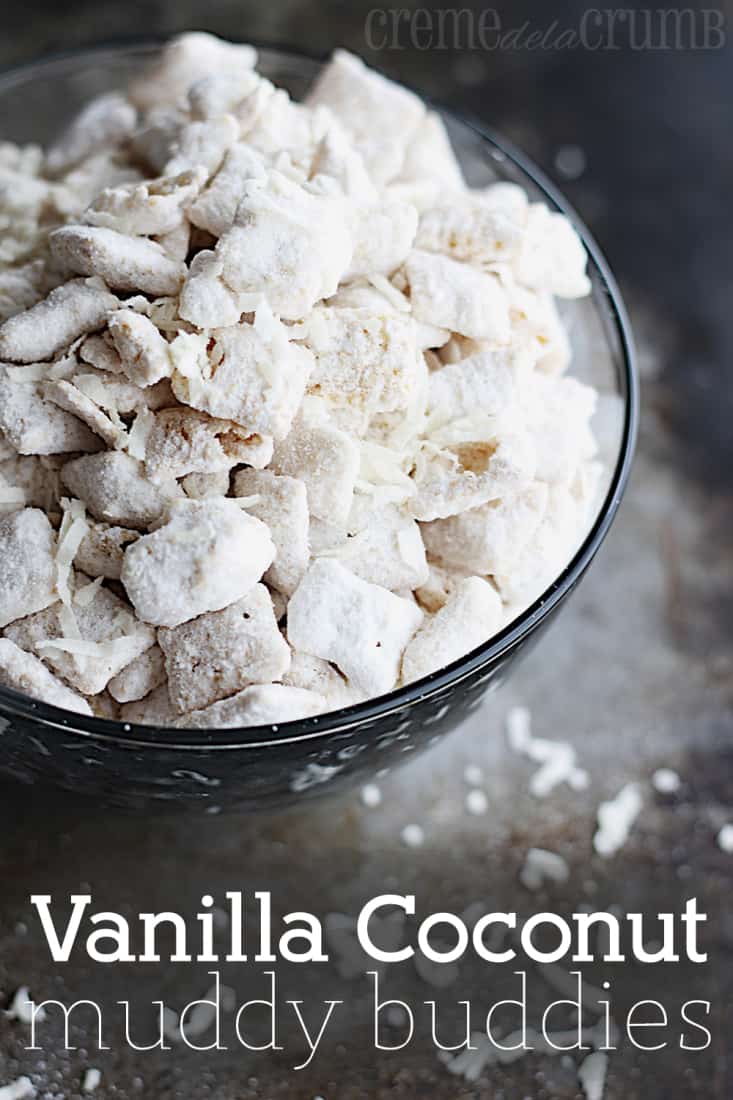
{"x": 13, "y": 703}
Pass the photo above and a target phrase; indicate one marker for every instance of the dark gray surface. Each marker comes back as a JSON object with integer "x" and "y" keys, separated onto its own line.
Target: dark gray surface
{"x": 637, "y": 673}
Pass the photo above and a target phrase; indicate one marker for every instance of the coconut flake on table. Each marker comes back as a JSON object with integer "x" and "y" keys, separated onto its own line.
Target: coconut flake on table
{"x": 371, "y": 796}
{"x": 20, "y": 1089}
{"x": 352, "y": 959}
{"x": 473, "y": 775}
{"x": 413, "y": 836}
{"x": 441, "y": 975}
{"x": 541, "y": 866}
{"x": 476, "y": 802}
{"x": 666, "y": 781}
{"x": 558, "y": 758}
{"x": 616, "y": 818}
{"x": 470, "y": 1064}
{"x": 592, "y": 1075}
{"x": 202, "y": 1016}
{"x": 92, "y": 1080}
{"x": 568, "y": 984}
{"x": 22, "y": 1008}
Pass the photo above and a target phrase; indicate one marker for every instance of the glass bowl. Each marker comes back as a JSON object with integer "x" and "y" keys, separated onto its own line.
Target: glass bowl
{"x": 209, "y": 771}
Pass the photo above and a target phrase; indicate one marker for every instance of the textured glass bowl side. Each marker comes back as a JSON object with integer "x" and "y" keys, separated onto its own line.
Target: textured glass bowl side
{"x": 34, "y": 103}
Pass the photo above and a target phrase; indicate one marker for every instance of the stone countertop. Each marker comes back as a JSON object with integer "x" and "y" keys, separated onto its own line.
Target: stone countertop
{"x": 636, "y": 674}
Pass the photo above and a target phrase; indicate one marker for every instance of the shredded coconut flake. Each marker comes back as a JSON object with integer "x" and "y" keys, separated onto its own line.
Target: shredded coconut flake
{"x": 68, "y": 623}
{"x": 371, "y": 796}
{"x": 95, "y": 389}
{"x": 558, "y": 758}
{"x": 137, "y": 439}
{"x": 477, "y": 803}
{"x": 666, "y": 781}
{"x": 541, "y": 865}
{"x": 19, "y": 1089}
{"x": 201, "y": 1017}
{"x": 21, "y": 1008}
{"x": 470, "y": 1064}
{"x": 381, "y": 473}
{"x": 113, "y": 650}
{"x": 519, "y": 728}
{"x": 73, "y": 531}
{"x": 84, "y": 596}
{"x": 567, "y": 984}
{"x": 478, "y": 428}
{"x": 92, "y": 1080}
{"x": 170, "y": 1025}
{"x": 413, "y": 836}
{"x": 615, "y": 819}
{"x": 592, "y": 1075}
{"x": 725, "y": 839}
{"x": 270, "y": 329}
{"x": 390, "y": 292}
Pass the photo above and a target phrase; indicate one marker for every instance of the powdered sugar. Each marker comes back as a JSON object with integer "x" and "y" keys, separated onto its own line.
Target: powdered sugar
{"x": 306, "y": 307}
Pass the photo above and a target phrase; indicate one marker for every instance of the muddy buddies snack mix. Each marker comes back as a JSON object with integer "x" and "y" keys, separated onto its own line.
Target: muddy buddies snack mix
{"x": 285, "y": 421}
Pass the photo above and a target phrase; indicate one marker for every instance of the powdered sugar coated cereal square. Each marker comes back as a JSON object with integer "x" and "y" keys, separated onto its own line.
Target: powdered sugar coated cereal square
{"x": 457, "y": 297}
{"x": 361, "y": 627}
{"x": 27, "y": 564}
{"x": 27, "y": 674}
{"x": 86, "y": 644}
{"x": 287, "y": 245}
{"x": 327, "y": 461}
{"x": 251, "y": 374}
{"x": 220, "y": 653}
{"x": 208, "y": 555}
{"x": 260, "y": 705}
{"x": 281, "y": 503}
{"x": 115, "y": 490}
{"x": 471, "y": 614}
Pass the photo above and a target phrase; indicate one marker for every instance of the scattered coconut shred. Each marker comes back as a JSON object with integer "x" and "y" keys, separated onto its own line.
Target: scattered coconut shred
{"x": 473, "y": 775}
{"x": 371, "y": 796}
{"x": 203, "y": 1016}
{"x": 477, "y": 802}
{"x": 471, "y": 1064}
{"x": 303, "y": 484}
{"x": 666, "y": 781}
{"x": 19, "y": 1089}
{"x": 615, "y": 819}
{"x": 558, "y": 758}
{"x": 413, "y": 836}
{"x": 541, "y": 866}
{"x": 23, "y": 1009}
{"x": 725, "y": 839}
{"x": 592, "y": 1075}
{"x": 92, "y": 1080}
